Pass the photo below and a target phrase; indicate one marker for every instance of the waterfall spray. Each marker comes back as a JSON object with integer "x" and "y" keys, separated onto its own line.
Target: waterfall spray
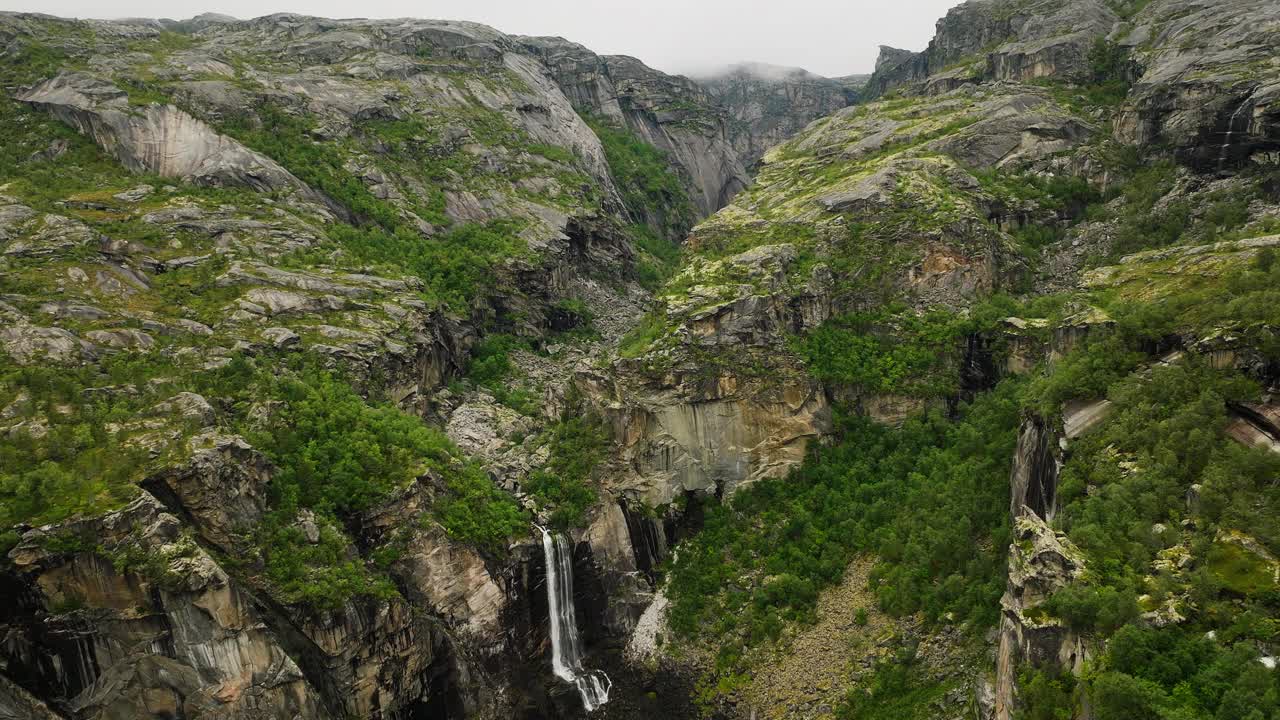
{"x": 566, "y": 647}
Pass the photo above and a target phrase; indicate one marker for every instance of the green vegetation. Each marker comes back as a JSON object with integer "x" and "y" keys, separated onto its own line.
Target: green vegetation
{"x": 1109, "y": 73}
{"x": 900, "y": 689}
{"x": 490, "y": 367}
{"x": 1063, "y": 193}
{"x": 287, "y": 139}
{"x": 640, "y": 338}
{"x": 456, "y": 266}
{"x": 1046, "y": 694}
{"x": 1164, "y": 435}
{"x": 339, "y": 455}
{"x": 715, "y": 240}
{"x": 658, "y": 257}
{"x": 82, "y": 167}
{"x": 1123, "y": 491}
{"x": 1127, "y": 9}
{"x": 28, "y": 61}
{"x": 1178, "y": 673}
{"x": 888, "y": 350}
{"x": 325, "y": 574}
{"x": 336, "y": 455}
{"x": 564, "y": 485}
{"x": 929, "y": 499}
{"x": 80, "y": 453}
{"x": 643, "y": 174}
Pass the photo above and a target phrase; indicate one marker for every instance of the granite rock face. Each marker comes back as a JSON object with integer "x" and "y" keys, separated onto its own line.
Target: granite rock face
{"x": 162, "y": 140}
{"x": 1002, "y": 40}
{"x": 408, "y": 204}
{"x": 184, "y": 638}
{"x": 163, "y": 607}
{"x": 769, "y": 104}
{"x": 1206, "y": 83}
{"x": 672, "y": 113}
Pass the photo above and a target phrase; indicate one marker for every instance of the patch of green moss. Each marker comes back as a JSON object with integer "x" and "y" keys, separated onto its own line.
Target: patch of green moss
{"x": 1241, "y": 571}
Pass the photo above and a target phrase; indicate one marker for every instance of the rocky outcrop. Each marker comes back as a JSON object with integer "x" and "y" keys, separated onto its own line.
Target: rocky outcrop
{"x": 768, "y": 103}
{"x": 669, "y": 112}
{"x": 137, "y": 621}
{"x": 158, "y": 139}
{"x": 716, "y": 403}
{"x": 1033, "y": 483}
{"x": 1002, "y": 40}
{"x": 1206, "y": 85}
{"x": 448, "y": 127}
{"x": 221, "y": 489}
{"x": 1040, "y": 563}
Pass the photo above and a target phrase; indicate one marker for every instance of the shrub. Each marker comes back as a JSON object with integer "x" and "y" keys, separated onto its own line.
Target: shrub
{"x": 887, "y": 351}
{"x": 563, "y": 485}
{"x": 456, "y": 266}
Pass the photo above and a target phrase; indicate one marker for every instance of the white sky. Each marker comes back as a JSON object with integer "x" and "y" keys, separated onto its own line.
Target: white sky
{"x": 829, "y": 37}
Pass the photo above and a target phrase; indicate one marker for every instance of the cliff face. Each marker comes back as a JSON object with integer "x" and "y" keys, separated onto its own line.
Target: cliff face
{"x": 1010, "y": 40}
{"x": 1213, "y": 98}
{"x": 1013, "y": 157}
{"x": 224, "y": 212}
{"x": 669, "y": 112}
{"x": 769, "y": 103}
{"x": 304, "y": 323}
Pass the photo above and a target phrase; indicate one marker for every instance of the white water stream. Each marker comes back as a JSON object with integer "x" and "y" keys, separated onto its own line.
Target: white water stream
{"x": 1229, "y": 136}
{"x": 566, "y": 646}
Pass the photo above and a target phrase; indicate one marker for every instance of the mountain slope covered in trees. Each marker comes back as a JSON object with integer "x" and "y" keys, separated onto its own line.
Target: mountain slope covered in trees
{"x": 960, "y": 404}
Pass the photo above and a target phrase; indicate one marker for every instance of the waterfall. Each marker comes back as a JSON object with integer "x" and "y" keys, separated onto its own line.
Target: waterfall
{"x": 1227, "y": 137}
{"x": 566, "y": 646}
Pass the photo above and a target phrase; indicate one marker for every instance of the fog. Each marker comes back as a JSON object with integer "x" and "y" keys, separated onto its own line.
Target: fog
{"x": 828, "y": 37}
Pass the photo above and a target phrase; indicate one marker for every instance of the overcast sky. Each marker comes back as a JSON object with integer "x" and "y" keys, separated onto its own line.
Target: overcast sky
{"x": 829, "y": 37}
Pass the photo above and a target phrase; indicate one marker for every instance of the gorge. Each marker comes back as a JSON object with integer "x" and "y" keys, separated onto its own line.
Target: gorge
{"x": 408, "y": 369}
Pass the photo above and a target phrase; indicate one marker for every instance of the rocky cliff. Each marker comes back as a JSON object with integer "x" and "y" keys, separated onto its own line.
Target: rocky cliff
{"x": 307, "y": 322}
{"x": 769, "y": 103}
{"x": 1000, "y": 40}
{"x": 896, "y": 260}
{"x": 669, "y": 112}
{"x": 228, "y": 215}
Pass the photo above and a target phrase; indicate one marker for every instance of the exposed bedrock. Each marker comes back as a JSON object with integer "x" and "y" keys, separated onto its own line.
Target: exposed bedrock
{"x": 670, "y": 112}
{"x": 159, "y": 139}
{"x": 1040, "y": 563}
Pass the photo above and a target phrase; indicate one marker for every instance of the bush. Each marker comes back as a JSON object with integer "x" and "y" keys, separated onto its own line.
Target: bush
{"x": 888, "y": 351}
{"x": 325, "y": 574}
{"x": 339, "y": 455}
{"x": 563, "y": 485}
{"x": 475, "y": 510}
{"x": 286, "y": 138}
{"x": 899, "y": 689}
{"x": 1086, "y": 608}
{"x": 1045, "y": 695}
{"x": 456, "y": 266}
{"x": 1117, "y": 696}
{"x": 641, "y": 338}
{"x": 658, "y": 257}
